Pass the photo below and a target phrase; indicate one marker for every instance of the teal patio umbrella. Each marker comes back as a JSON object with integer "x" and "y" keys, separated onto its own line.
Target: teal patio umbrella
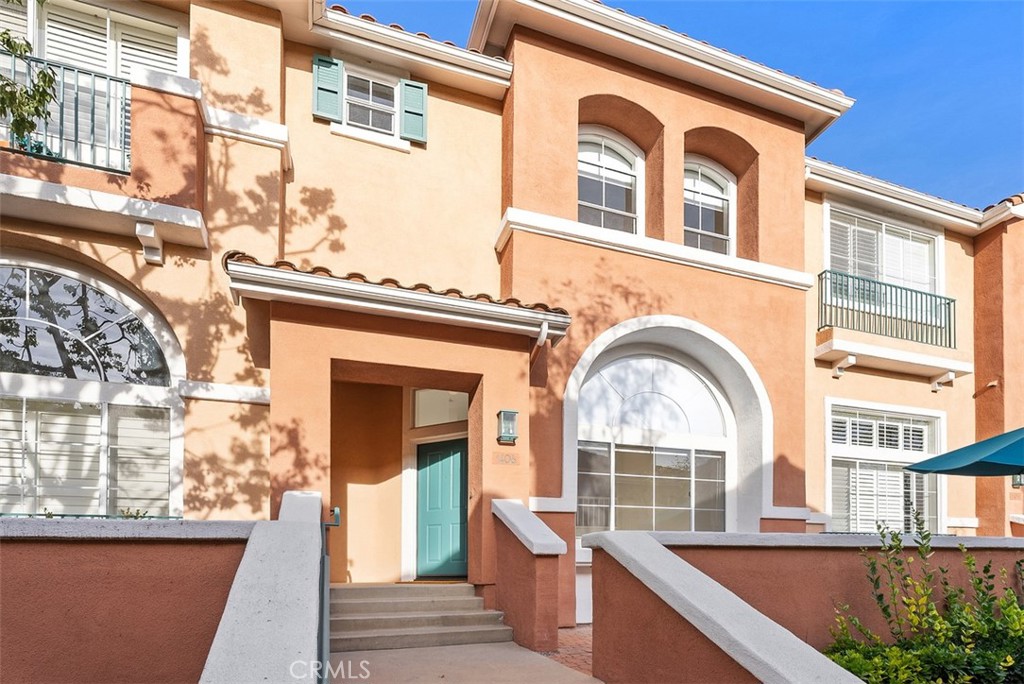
{"x": 995, "y": 456}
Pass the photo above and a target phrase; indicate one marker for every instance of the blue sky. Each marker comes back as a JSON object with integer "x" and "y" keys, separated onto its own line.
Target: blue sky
{"x": 939, "y": 85}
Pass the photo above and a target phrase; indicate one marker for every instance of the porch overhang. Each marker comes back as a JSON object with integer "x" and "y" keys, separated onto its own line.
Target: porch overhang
{"x": 252, "y": 280}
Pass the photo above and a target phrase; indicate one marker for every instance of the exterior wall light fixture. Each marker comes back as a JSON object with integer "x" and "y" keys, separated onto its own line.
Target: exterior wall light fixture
{"x": 508, "y": 426}
{"x": 1017, "y": 481}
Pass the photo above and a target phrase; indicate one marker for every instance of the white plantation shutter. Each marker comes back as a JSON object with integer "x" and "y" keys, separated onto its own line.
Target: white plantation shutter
{"x": 139, "y": 459}
{"x": 150, "y": 49}
{"x": 15, "y": 471}
{"x": 841, "y": 490}
{"x": 75, "y": 38}
{"x": 876, "y": 496}
{"x": 14, "y": 18}
{"x": 864, "y": 247}
{"x": 67, "y": 443}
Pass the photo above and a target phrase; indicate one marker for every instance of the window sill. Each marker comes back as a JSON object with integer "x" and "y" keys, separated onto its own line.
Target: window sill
{"x": 565, "y": 229}
{"x": 389, "y": 141}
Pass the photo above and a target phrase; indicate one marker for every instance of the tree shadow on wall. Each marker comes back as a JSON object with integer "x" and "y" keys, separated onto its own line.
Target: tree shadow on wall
{"x": 223, "y": 476}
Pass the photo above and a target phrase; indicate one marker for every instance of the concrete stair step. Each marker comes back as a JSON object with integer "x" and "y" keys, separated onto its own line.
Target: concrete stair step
{"x": 342, "y": 625}
{"x": 419, "y": 637}
{"x": 429, "y": 604}
{"x": 404, "y": 590}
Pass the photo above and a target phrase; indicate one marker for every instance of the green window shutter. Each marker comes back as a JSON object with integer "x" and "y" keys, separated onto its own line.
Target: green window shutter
{"x": 414, "y": 110}
{"x": 327, "y": 75}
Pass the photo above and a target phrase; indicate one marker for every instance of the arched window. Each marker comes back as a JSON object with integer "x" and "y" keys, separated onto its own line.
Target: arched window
{"x": 610, "y": 180}
{"x": 709, "y": 212}
{"x": 89, "y": 411}
{"x": 654, "y": 440}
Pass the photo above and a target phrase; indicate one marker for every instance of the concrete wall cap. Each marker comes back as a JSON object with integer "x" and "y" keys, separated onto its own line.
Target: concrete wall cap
{"x": 272, "y": 613}
{"x": 764, "y": 648}
{"x": 537, "y": 537}
{"x": 87, "y": 529}
{"x": 300, "y": 507}
{"x": 813, "y": 540}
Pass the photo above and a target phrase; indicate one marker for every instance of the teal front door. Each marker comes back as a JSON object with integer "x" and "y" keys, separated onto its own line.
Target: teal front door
{"x": 441, "y": 509}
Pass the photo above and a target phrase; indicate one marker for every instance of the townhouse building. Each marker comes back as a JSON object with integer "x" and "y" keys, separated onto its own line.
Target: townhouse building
{"x": 584, "y": 263}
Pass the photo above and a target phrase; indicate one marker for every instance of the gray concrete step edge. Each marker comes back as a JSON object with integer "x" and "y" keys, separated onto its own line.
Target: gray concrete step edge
{"x": 374, "y": 640}
{"x": 344, "y": 624}
{"x": 405, "y": 605}
{"x": 400, "y": 590}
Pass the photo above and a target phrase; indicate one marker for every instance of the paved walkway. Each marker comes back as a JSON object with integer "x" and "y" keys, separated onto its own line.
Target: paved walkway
{"x": 575, "y": 648}
{"x": 504, "y": 663}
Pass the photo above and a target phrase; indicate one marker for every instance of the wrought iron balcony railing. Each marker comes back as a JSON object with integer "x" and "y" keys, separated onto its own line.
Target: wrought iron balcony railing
{"x": 90, "y": 117}
{"x": 856, "y": 303}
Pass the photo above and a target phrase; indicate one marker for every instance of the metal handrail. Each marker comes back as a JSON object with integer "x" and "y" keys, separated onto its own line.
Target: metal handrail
{"x": 89, "y": 122}
{"x": 867, "y": 305}
{"x": 324, "y": 630}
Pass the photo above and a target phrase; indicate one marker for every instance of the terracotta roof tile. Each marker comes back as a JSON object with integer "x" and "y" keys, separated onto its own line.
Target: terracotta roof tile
{"x": 239, "y": 257}
{"x": 398, "y": 27}
{"x": 1014, "y": 200}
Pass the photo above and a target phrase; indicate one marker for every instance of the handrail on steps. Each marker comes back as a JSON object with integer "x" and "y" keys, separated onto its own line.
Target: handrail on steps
{"x": 324, "y": 631}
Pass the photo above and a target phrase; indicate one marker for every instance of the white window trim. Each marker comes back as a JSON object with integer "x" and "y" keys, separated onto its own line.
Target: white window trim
{"x": 353, "y": 66}
{"x": 916, "y": 228}
{"x": 880, "y": 455}
{"x": 141, "y": 13}
{"x": 595, "y": 133}
{"x": 94, "y": 391}
{"x": 696, "y": 160}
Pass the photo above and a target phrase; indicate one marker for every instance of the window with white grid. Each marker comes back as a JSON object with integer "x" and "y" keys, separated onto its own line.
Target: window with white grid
{"x": 868, "y": 451}
{"x": 872, "y": 248}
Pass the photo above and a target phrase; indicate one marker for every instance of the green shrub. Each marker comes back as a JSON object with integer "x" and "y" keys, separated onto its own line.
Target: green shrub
{"x": 938, "y": 633}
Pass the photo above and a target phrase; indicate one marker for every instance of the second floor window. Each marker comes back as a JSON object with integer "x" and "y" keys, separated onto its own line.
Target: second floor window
{"x": 610, "y": 181}
{"x": 872, "y": 248}
{"x": 709, "y": 197}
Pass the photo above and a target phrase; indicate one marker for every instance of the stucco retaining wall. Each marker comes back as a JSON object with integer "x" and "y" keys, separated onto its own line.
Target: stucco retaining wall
{"x": 112, "y": 601}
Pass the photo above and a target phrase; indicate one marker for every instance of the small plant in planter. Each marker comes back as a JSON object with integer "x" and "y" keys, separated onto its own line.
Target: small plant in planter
{"x": 137, "y": 514}
{"x": 938, "y": 633}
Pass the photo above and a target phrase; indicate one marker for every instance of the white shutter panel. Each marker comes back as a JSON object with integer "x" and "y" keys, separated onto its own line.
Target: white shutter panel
{"x": 68, "y": 444}
{"x": 841, "y": 491}
{"x": 920, "y": 264}
{"x": 864, "y": 498}
{"x": 894, "y": 247}
{"x": 840, "y": 238}
{"x": 864, "y": 258}
{"x": 142, "y": 47}
{"x": 139, "y": 459}
{"x": 75, "y": 38}
{"x": 891, "y": 502}
{"x": 15, "y": 472}
{"x": 14, "y": 18}
{"x": 840, "y": 430}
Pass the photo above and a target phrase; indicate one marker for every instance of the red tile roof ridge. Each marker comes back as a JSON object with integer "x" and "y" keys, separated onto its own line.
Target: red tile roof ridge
{"x": 398, "y": 27}
{"x": 240, "y": 257}
{"x": 1013, "y": 200}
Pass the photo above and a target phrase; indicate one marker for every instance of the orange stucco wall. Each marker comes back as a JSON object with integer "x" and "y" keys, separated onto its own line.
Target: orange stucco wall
{"x": 527, "y": 591}
{"x": 313, "y": 348}
{"x": 999, "y": 337}
{"x": 807, "y": 583}
{"x": 353, "y": 205}
{"x": 366, "y": 471}
{"x": 113, "y": 611}
{"x": 603, "y": 288}
{"x": 637, "y": 635}
{"x": 167, "y": 155}
{"x": 905, "y": 392}
{"x": 665, "y": 117}
{"x": 640, "y": 638}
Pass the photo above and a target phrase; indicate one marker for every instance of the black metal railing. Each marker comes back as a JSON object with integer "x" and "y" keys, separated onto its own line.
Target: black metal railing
{"x": 856, "y": 303}
{"x": 90, "y": 116}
